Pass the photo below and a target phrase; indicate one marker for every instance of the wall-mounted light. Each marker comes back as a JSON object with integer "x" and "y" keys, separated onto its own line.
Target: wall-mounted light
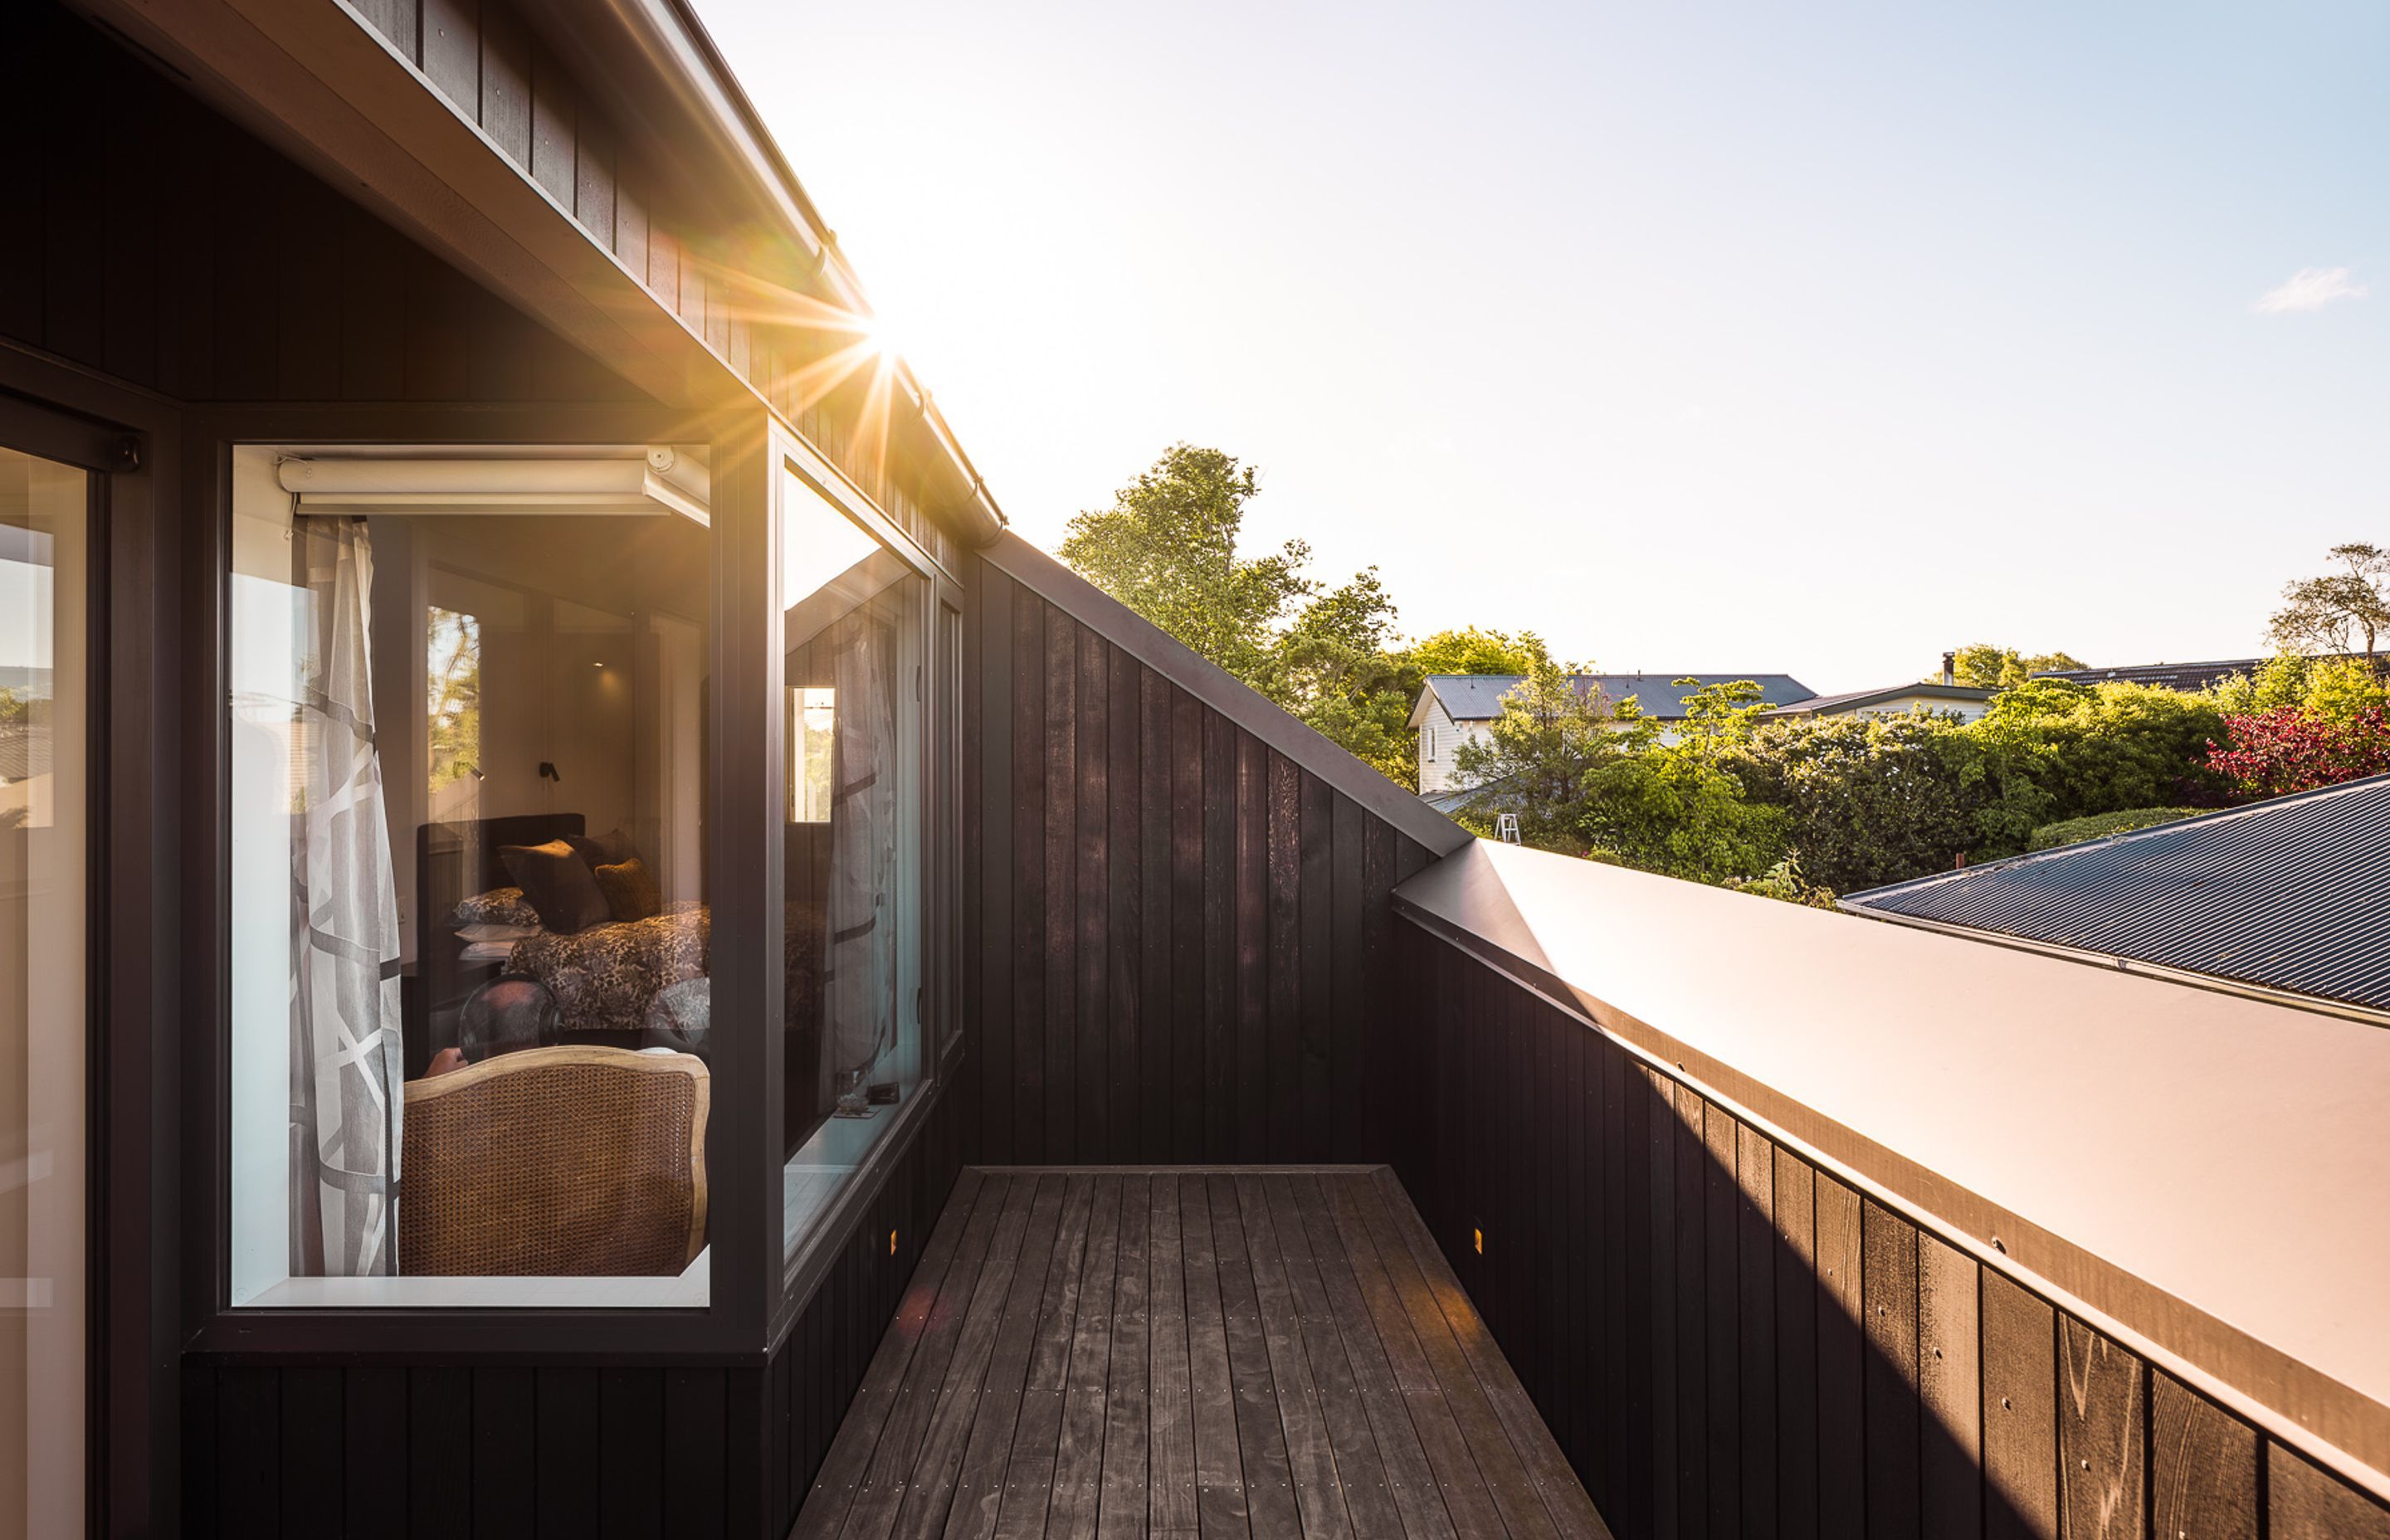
{"x": 892, "y": 1243}
{"x": 1479, "y": 1236}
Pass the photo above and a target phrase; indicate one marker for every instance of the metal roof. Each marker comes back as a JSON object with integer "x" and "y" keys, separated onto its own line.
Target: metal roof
{"x": 1478, "y": 696}
{"x": 1826, "y": 705}
{"x": 2185, "y": 676}
{"x": 2291, "y": 895}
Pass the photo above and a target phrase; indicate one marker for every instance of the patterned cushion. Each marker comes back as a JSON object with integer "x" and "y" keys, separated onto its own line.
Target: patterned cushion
{"x": 500, "y": 907}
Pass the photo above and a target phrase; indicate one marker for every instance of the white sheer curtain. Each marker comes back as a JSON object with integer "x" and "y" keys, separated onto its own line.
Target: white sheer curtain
{"x": 346, "y": 1061}
{"x": 860, "y": 981}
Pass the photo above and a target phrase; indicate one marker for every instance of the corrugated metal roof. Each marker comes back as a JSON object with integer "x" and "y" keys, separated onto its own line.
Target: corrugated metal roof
{"x": 1478, "y": 696}
{"x": 2291, "y": 895}
{"x": 2188, "y": 677}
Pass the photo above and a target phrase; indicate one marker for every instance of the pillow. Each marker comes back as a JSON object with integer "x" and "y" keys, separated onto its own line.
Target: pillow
{"x": 498, "y": 932}
{"x": 610, "y": 849}
{"x": 557, "y": 882}
{"x": 631, "y": 889}
{"x": 505, "y": 907}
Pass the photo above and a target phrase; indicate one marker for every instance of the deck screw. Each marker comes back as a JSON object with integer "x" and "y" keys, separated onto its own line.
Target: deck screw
{"x": 2001, "y": 1246}
{"x": 2004, "y": 1404}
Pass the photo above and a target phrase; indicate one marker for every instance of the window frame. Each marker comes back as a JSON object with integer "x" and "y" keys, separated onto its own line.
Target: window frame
{"x": 800, "y": 1270}
{"x": 739, "y": 1306}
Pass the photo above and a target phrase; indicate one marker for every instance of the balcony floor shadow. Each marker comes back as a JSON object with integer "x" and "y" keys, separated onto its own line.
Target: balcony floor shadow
{"x": 1263, "y": 1350}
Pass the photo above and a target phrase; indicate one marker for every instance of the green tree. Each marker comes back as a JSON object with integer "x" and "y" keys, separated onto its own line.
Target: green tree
{"x": 1669, "y": 807}
{"x": 1987, "y": 666}
{"x": 2345, "y": 609}
{"x": 2332, "y": 690}
{"x": 2053, "y": 750}
{"x": 1167, "y": 548}
{"x": 1535, "y": 756}
{"x": 1332, "y": 669}
{"x": 1470, "y": 649}
{"x": 1872, "y": 800}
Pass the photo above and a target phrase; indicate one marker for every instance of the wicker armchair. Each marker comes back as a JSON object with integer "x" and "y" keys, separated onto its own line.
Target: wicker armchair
{"x": 556, "y": 1162}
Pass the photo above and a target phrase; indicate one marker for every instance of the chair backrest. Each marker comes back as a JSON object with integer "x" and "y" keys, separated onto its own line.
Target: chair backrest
{"x": 555, "y": 1163}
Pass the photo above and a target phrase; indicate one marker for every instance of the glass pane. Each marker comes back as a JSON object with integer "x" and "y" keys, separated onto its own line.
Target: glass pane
{"x": 42, "y": 840}
{"x": 471, "y": 940}
{"x": 856, "y": 632}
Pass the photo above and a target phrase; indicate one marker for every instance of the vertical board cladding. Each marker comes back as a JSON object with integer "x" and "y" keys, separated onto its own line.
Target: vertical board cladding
{"x": 274, "y": 286}
{"x": 1185, "y": 938}
{"x": 580, "y": 1449}
{"x": 1776, "y": 1352}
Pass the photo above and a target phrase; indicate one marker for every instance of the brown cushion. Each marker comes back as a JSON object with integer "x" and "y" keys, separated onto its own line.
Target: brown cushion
{"x": 630, "y": 889}
{"x": 557, "y": 883}
{"x": 610, "y": 849}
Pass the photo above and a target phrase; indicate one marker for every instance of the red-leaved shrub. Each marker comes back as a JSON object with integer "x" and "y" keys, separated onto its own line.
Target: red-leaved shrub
{"x": 2270, "y": 754}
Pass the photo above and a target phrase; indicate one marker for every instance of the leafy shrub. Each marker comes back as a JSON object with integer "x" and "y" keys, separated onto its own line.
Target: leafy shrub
{"x": 2272, "y": 753}
{"x": 2074, "y": 831}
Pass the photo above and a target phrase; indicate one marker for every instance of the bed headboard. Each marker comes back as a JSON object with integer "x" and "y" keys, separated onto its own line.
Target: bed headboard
{"x": 456, "y": 860}
{"x": 453, "y": 861}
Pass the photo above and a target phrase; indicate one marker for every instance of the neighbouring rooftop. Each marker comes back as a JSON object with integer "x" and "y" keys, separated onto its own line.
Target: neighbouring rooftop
{"x": 2268, "y": 895}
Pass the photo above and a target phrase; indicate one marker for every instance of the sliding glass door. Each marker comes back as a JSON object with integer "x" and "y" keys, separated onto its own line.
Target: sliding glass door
{"x": 45, "y": 705}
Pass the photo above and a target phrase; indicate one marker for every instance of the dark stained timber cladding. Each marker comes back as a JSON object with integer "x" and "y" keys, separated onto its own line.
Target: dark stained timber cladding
{"x": 274, "y": 286}
{"x": 2102, "y": 1398}
{"x": 567, "y": 1450}
{"x": 1738, "y": 1344}
{"x": 1184, "y": 939}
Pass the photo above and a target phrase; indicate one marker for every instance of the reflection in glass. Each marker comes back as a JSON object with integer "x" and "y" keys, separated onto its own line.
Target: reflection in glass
{"x": 470, "y": 945}
{"x": 42, "y": 840}
{"x": 855, "y": 640}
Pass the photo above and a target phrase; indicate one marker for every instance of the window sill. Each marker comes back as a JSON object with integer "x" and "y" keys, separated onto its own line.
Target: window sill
{"x": 690, "y": 1290}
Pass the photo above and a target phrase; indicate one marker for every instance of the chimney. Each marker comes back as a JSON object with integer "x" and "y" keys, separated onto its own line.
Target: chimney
{"x": 1950, "y": 668}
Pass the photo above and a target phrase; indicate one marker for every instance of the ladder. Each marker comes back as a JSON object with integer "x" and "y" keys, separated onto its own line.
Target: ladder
{"x": 1506, "y": 828}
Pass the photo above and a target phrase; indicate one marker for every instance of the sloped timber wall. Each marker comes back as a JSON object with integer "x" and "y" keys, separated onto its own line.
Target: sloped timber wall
{"x": 1179, "y": 934}
{"x": 1728, "y": 1340}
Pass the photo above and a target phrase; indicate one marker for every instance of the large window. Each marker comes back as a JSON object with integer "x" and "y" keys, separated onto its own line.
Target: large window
{"x": 470, "y": 940}
{"x": 44, "y": 834}
{"x": 856, "y": 627}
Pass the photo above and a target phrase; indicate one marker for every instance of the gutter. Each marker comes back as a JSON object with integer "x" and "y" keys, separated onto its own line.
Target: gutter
{"x": 675, "y": 43}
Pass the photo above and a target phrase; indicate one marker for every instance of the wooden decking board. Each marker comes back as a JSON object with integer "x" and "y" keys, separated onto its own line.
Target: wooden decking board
{"x": 850, "y": 1453}
{"x": 979, "y": 1491}
{"x": 1407, "y": 1472}
{"x": 1261, "y": 1436}
{"x": 1572, "y": 1512}
{"x": 1219, "y": 1474}
{"x": 1029, "y": 1472}
{"x": 1079, "y": 1450}
{"x": 1450, "y": 1461}
{"x": 1310, "y": 1462}
{"x": 1358, "y": 1467}
{"x": 1166, "y": 1353}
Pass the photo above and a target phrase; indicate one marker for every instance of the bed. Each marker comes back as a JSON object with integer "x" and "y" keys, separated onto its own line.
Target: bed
{"x": 616, "y": 982}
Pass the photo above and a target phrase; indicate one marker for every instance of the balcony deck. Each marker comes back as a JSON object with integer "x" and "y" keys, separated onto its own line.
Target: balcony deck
{"x": 1270, "y": 1352}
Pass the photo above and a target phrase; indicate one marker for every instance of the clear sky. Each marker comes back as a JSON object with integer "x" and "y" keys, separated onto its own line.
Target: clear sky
{"x": 1813, "y": 338}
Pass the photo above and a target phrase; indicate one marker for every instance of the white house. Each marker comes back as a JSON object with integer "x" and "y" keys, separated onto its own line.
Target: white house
{"x": 1454, "y": 708}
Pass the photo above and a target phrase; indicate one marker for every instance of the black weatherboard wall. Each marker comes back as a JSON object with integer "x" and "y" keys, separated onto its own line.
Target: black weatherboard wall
{"x": 1181, "y": 930}
{"x": 1729, "y": 1339}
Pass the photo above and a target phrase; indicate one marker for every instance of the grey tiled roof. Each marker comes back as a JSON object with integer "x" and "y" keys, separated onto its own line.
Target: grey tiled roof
{"x": 2291, "y": 895}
